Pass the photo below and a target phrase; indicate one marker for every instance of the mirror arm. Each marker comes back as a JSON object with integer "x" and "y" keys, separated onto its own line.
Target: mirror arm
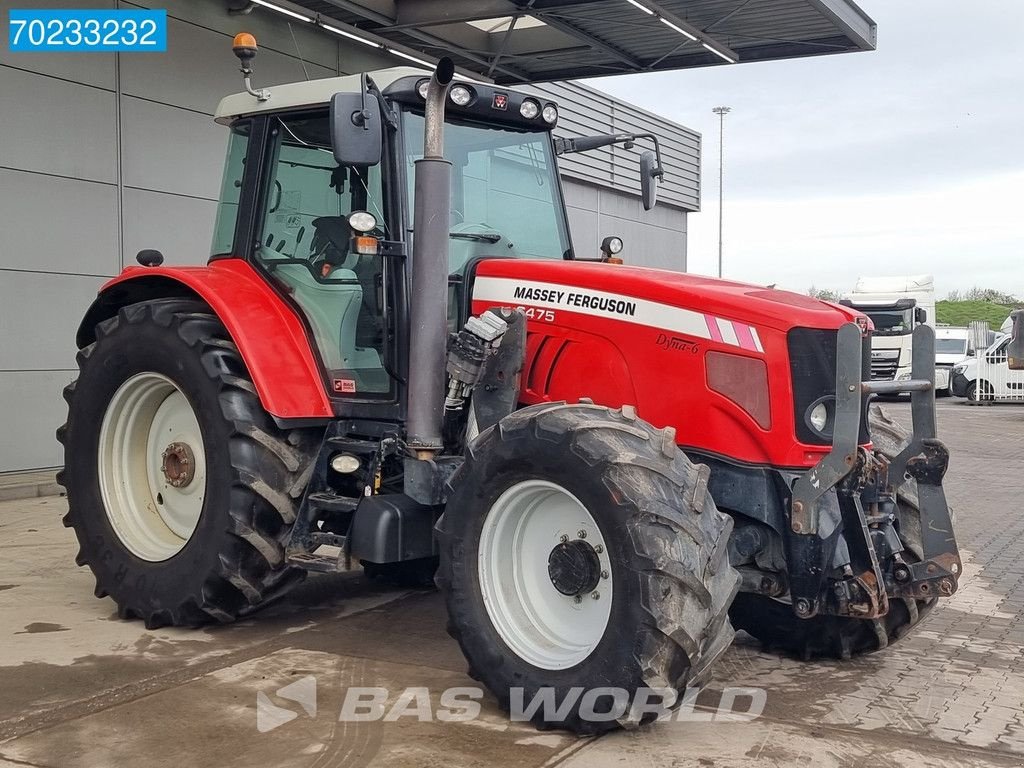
{"x": 659, "y": 171}
{"x": 565, "y": 146}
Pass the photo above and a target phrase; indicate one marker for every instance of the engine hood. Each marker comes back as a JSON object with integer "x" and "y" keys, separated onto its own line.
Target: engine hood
{"x": 755, "y": 304}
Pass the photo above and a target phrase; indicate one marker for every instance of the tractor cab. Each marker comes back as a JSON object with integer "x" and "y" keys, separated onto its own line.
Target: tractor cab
{"x": 326, "y": 211}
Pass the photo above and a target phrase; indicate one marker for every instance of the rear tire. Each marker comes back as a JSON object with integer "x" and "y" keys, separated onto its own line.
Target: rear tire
{"x": 774, "y": 623}
{"x": 654, "y": 615}
{"x": 229, "y": 560}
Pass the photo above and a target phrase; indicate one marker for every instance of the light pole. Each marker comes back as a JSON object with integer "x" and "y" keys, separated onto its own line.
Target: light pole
{"x": 721, "y": 112}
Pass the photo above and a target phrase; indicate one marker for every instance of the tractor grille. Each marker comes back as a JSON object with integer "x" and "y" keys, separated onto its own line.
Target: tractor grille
{"x": 812, "y": 363}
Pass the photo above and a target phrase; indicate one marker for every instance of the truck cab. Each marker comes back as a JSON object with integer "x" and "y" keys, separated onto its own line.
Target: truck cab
{"x": 896, "y": 306}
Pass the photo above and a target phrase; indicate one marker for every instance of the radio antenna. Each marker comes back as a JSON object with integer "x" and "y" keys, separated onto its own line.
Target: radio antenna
{"x": 297, "y": 51}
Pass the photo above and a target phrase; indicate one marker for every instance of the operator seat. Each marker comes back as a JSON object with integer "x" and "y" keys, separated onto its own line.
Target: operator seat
{"x": 332, "y": 240}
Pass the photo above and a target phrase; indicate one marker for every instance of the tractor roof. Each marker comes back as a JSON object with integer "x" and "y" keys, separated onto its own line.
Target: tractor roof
{"x": 306, "y": 94}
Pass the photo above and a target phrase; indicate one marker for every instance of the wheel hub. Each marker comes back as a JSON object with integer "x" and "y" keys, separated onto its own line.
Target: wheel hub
{"x": 152, "y": 466}
{"x": 533, "y": 593}
{"x": 574, "y": 567}
{"x": 178, "y": 464}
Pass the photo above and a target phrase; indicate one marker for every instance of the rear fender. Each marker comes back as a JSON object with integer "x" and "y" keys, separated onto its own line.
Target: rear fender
{"x": 267, "y": 331}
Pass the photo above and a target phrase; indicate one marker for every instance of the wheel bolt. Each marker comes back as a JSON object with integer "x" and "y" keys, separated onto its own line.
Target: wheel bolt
{"x": 599, "y": 549}
{"x": 596, "y": 595}
{"x": 604, "y": 574}
{"x": 577, "y": 599}
{"x": 581, "y": 534}
{"x": 564, "y": 539}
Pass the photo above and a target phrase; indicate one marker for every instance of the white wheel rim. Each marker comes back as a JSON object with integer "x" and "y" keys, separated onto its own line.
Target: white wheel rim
{"x": 152, "y": 466}
{"x": 541, "y": 625}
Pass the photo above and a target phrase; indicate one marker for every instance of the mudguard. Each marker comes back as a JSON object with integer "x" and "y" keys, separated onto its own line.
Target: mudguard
{"x": 269, "y": 334}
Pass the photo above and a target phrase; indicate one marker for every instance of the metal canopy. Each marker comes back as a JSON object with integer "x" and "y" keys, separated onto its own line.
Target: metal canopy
{"x": 517, "y": 41}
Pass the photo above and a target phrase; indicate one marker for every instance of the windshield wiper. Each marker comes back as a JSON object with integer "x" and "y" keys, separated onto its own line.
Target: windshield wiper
{"x": 479, "y": 237}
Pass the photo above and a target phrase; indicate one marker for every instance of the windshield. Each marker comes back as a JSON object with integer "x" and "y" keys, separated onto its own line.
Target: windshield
{"x": 951, "y": 346}
{"x": 505, "y": 195}
{"x": 891, "y": 322}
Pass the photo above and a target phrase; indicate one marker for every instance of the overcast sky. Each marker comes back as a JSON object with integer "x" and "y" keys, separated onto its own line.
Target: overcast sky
{"x": 904, "y": 160}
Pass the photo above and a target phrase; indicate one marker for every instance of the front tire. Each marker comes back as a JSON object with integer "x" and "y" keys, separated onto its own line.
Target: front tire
{"x": 181, "y": 489}
{"x": 581, "y": 550}
{"x": 774, "y": 623}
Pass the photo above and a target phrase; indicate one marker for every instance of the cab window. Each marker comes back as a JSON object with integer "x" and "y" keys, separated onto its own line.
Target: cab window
{"x": 305, "y": 245}
{"x": 230, "y": 190}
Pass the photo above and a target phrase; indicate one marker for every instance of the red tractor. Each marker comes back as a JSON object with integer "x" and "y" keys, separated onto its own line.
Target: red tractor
{"x": 395, "y": 357}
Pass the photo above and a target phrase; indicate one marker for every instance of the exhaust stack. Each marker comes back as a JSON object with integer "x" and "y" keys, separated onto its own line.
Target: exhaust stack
{"x": 429, "y": 298}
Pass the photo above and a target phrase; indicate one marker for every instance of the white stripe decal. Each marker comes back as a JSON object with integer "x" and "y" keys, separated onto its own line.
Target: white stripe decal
{"x": 757, "y": 339}
{"x": 501, "y": 290}
{"x": 514, "y": 292}
{"x": 728, "y": 332}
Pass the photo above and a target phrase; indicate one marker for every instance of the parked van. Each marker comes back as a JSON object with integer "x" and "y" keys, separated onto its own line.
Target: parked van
{"x": 952, "y": 346}
{"x": 988, "y": 376}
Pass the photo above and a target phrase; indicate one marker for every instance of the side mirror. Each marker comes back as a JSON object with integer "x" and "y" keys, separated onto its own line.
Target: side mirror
{"x": 356, "y": 131}
{"x": 920, "y": 315}
{"x": 649, "y": 173}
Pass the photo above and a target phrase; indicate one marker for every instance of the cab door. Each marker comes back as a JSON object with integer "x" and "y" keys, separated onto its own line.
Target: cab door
{"x": 306, "y": 246}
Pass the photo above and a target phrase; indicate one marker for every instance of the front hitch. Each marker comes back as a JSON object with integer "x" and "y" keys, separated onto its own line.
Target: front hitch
{"x": 842, "y": 475}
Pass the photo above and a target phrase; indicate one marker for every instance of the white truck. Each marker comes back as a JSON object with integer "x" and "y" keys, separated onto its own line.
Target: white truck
{"x": 896, "y": 305}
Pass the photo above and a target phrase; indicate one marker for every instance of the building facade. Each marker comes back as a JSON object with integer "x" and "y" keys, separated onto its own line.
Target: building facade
{"x": 102, "y": 155}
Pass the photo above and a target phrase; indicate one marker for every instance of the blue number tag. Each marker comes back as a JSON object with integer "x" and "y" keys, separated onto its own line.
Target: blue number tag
{"x": 84, "y": 31}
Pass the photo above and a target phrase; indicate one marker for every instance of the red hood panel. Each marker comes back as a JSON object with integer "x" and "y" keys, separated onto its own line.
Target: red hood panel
{"x": 776, "y": 309}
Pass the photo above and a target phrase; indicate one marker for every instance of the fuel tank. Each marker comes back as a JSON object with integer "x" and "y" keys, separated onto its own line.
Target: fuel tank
{"x": 731, "y": 366}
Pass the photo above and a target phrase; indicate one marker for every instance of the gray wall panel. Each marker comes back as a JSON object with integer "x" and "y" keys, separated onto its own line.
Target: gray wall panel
{"x": 205, "y": 70}
{"x": 89, "y": 68}
{"x": 584, "y": 111}
{"x": 39, "y": 411}
{"x": 580, "y": 195}
{"x": 58, "y": 225}
{"x": 655, "y": 238}
{"x": 69, "y": 130}
{"x": 171, "y": 149}
{"x": 41, "y": 313}
{"x": 179, "y": 227}
{"x": 269, "y": 28}
{"x": 649, "y": 246}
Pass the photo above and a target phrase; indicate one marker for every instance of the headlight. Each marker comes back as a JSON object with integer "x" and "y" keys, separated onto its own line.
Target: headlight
{"x": 903, "y": 377}
{"x": 460, "y": 95}
{"x": 529, "y": 109}
{"x": 550, "y": 114}
{"x": 421, "y": 88}
{"x": 362, "y": 221}
{"x": 820, "y": 416}
{"x": 959, "y": 368}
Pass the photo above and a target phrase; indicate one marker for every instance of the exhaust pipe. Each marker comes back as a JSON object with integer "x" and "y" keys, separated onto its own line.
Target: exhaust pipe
{"x": 428, "y": 311}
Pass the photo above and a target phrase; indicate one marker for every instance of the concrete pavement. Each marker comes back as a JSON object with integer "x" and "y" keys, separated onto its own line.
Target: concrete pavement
{"x": 78, "y": 687}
